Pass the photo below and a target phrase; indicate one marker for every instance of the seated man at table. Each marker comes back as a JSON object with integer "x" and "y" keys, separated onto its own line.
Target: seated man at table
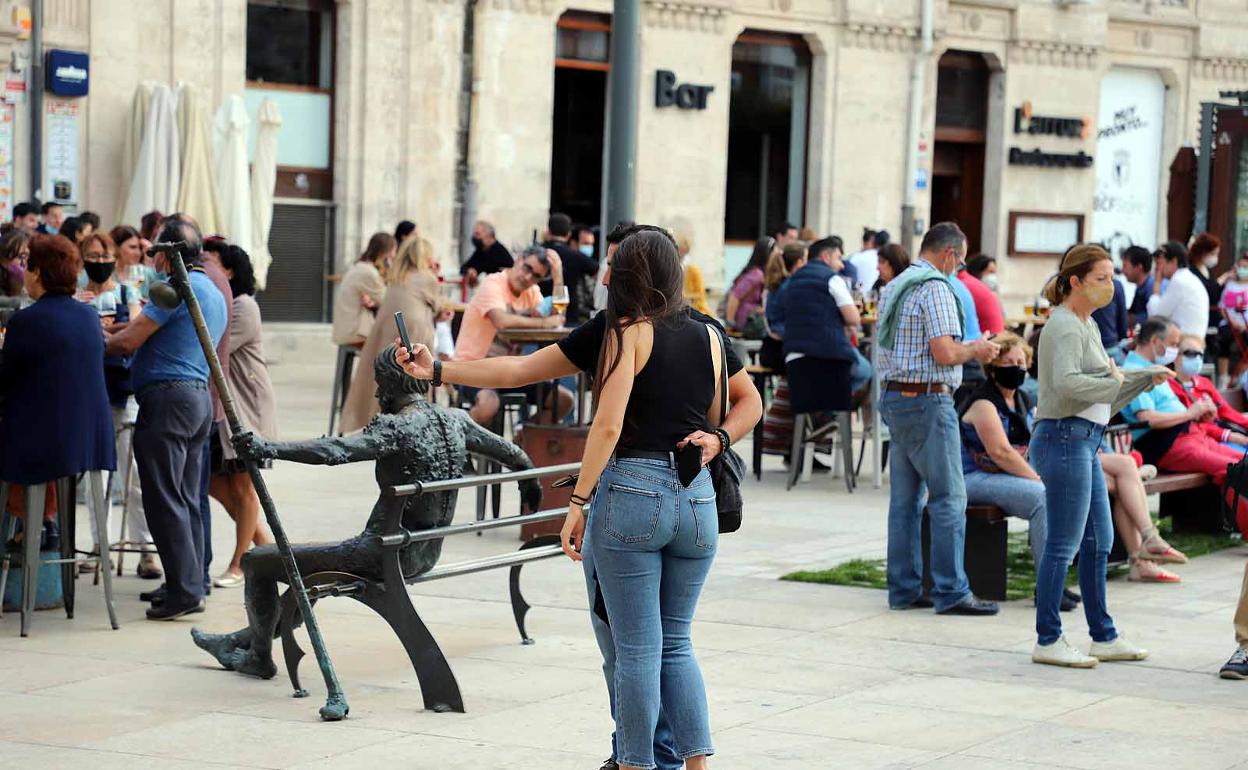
{"x": 1173, "y": 440}
{"x": 507, "y": 300}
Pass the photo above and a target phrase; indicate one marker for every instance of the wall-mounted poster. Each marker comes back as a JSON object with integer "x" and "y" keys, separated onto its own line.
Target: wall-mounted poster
{"x": 1130, "y": 129}
{"x": 6, "y": 162}
{"x": 62, "y": 129}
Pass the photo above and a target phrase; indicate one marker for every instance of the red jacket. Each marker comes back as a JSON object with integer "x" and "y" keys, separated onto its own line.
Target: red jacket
{"x": 1202, "y": 386}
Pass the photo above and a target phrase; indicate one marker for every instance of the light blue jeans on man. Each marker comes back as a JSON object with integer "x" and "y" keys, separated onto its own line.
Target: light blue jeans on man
{"x": 925, "y": 456}
{"x": 664, "y": 751}
{"x": 1016, "y": 496}
{"x": 653, "y": 543}
{"x": 1064, "y": 453}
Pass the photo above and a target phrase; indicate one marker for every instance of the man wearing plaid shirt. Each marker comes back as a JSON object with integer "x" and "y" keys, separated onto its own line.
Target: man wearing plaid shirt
{"x": 921, "y": 358}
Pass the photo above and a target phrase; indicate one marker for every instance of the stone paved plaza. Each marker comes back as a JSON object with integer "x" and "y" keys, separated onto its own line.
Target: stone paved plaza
{"x": 798, "y": 676}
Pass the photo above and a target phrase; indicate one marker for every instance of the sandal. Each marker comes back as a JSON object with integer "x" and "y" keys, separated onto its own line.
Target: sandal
{"x": 1145, "y": 571}
{"x": 1154, "y": 548}
{"x": 1148, "y": 472}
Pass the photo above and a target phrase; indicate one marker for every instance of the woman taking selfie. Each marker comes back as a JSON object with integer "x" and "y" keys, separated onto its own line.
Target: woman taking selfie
{"x": 649, "y": 536}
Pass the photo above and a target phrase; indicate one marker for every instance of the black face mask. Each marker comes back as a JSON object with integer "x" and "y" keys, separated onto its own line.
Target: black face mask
{"x": 478, "y": 244}
{"x": 1009, "y": 377}
{"x": 99, "y": 272}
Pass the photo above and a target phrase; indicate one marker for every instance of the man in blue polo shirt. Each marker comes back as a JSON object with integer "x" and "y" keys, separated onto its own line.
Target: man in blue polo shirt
{"x": 170, "y": 377}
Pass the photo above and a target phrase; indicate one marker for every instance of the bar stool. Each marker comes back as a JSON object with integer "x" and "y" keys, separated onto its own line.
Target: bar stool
{"x": 124, "y": 546}
{"x": 342, "y": 381}
{"x": 66, "y": 516}
{"x": 512, "y": 409}
{"x": 806, "y": 434}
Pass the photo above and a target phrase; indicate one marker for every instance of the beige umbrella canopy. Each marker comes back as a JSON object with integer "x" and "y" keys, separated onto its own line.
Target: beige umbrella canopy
{"x": 233, "y": 183}
{"x": 156, "y": 178}
{"x": 197, "y": 195}
{"x": 263, "y": 183}
{"x": 134, "y": 137}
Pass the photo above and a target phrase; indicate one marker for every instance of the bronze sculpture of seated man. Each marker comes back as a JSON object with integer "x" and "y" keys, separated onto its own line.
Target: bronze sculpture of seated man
{"x": 412, "y": 439}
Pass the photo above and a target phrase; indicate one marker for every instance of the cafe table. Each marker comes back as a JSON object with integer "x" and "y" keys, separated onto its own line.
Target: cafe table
{"x": 543, "y": 337}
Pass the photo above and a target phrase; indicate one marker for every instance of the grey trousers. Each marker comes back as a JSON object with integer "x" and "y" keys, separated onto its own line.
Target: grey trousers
{"x": 174, "y": 419}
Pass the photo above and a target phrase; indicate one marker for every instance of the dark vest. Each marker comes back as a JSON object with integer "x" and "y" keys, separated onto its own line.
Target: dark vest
{"x": 813, "y": 324}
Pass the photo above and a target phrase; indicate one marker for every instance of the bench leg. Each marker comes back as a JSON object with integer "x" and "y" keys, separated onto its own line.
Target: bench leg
{"x": 437, "y": 682}
{"x": 984, "y": 558}
{"x": 292, "y": 653}
{"x": 519, "y": 607}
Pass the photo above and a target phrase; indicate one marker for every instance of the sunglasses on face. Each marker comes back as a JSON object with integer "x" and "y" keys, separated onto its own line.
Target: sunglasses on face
{"x": 1192, "y": 353}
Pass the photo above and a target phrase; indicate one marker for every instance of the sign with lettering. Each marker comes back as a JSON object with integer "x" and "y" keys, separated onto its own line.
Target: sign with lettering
{"x": 1026, "y": 122}
{"x": 685, "y": 96}
{"x": 68, "y": 72}
{"x": 1129, "y": 136}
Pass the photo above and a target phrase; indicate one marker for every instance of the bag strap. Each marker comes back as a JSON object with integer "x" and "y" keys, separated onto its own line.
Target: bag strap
{"x": 723, "y": 372}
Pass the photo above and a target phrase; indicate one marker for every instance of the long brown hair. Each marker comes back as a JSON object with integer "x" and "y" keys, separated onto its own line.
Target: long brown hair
{"x": 647, "y": 284}
{"x": 781, "y": 265}
{"x": 378, "y": 246}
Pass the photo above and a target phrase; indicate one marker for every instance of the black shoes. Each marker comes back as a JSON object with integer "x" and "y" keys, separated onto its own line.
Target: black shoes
{"x": 1237, "y": 666}
{"x": 610, "y": 764}
{"x": 164, "y": 611}
{"x": 155, "y": 597}
{"x": 1070, "y": 600}
{"x": 971, "y": 605}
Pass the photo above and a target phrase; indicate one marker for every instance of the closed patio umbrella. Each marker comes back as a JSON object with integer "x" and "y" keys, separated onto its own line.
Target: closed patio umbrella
{"x": 158, "y": 170}
{"x": 134, "y": 138}
{"x": 263, "y": 182}
{"x": 198, "y": 194}
{"x": 233, "y": 182}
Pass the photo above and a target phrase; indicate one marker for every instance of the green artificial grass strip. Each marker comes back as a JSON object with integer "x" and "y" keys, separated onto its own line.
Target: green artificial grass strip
{"x": 1020, "y": 569}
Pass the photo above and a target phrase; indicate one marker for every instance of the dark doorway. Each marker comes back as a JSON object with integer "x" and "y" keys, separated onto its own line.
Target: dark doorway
{"x": 582, "y": 46}
{"x": 576, "y": 159}
{"x": 767, "y": 131}
{"x": 958, "y": 152}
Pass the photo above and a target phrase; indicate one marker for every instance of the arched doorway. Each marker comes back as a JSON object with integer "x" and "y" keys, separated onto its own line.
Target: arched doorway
{"x": 958, "y": 150}
{"x": 768, "y": 124}
{"x": 581, "y": 64}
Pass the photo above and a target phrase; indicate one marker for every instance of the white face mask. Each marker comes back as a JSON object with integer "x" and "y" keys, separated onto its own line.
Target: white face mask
{"x": 990, "y": 281}
{"x": 587, "y": 249}
{"x": 1168, "y": 357}
{"x": 1211, "y": 261}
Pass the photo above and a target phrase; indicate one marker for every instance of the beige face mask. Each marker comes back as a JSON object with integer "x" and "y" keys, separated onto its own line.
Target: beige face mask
{"x": 1099, "y": 296}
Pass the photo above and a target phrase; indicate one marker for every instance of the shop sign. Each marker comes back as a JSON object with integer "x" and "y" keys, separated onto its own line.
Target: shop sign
{"x": 1026, "y": 122}
{"x": 68, "y": 72}
{"x": 685, "y": 96}
{"x": 1039, "y": 158}
{"x": 14, "y": 88}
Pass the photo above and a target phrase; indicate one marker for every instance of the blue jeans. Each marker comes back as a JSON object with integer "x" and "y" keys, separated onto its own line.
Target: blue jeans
{"x": 1016, "y": 496}
{"x": 664, "y": 751}
{"x": 926, "y": 459}
{"x": 1063, "y": 452}
{"x": 653, "y": 543}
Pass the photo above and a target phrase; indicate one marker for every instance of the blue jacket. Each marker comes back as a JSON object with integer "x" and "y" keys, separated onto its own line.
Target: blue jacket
{"x": 56, "y": 418}
{"x": 774, "y": 310}
{"x": 812, "y": 322}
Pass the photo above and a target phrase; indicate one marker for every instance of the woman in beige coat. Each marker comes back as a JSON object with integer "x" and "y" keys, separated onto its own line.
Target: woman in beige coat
{"x": 257, "y": 408}
{"x": 361, "y": 290}
{"x": 413, "y": 289}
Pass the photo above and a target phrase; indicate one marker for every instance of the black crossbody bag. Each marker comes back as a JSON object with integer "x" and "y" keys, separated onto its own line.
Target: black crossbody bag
{"x": 727, "y": 469}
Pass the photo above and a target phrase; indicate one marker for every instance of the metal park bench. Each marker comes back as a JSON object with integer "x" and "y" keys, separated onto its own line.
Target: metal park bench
{"x": 389, "y": 598}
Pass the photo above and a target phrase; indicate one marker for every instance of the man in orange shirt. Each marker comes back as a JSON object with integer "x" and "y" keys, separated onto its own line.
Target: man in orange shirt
{"x": 507, "y": 300}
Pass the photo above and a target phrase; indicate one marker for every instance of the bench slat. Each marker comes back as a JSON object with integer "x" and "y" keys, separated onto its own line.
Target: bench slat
{"x": 986, "y": 512}
{"x": 489, "y": 563}
{"x": 1175, "y": 482}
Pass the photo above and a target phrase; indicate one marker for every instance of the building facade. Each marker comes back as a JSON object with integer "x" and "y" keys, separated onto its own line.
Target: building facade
{"x": 1042, "y": 121}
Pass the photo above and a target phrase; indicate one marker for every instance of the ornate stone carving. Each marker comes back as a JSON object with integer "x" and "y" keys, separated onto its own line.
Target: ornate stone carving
{"x": 1054, "y": 54}
{"x": 1222, "y": 69}
{"x": 881, "y": 37}
{"x": 687, "y": 16}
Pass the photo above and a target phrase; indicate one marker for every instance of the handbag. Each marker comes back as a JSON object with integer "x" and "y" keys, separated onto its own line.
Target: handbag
{"x": 727, "y": 469}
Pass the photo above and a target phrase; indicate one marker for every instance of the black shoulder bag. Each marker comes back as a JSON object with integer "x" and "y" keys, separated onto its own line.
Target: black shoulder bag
{"x": 727, "y": 468}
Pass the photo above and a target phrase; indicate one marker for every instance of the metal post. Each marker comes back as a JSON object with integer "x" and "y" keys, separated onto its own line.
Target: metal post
{"x": 335, "y": 707}
{"x": 36, "y": 101}
{"x": 1204, "y": 165}
{"x": 622, "y": 97}
{"x": 917, "y": 69}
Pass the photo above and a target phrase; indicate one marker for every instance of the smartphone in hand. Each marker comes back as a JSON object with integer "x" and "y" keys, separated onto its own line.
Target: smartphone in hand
{"x": 398, "y": 321}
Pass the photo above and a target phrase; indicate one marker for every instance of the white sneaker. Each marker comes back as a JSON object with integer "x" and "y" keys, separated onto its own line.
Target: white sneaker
{"x": 1118, "y": 649}
{"x": 227, "y": 579}
{"x": 1061, "y": 653}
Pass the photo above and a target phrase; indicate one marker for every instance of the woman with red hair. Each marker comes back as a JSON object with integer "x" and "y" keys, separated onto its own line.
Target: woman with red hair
{"x": 55, "y": 419}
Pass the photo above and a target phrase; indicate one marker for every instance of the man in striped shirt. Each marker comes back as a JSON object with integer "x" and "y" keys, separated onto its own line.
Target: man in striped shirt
{"x": 921, "y": 334}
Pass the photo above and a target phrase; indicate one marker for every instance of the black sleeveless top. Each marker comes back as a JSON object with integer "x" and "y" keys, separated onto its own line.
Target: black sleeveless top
{"x": 674, "y": 390}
